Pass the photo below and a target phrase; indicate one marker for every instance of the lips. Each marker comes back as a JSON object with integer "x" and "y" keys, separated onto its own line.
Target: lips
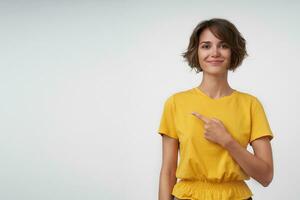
{"x": 215, "y": 61}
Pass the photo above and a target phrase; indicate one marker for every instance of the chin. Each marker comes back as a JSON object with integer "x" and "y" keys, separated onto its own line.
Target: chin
{"x": 215, "y": 70}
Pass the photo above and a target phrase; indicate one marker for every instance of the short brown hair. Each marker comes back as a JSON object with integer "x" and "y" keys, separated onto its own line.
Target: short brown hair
{"x": 224, "y": 30}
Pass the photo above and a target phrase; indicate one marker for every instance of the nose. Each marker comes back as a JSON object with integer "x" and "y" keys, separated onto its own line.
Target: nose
{"x": 215, "y": 51}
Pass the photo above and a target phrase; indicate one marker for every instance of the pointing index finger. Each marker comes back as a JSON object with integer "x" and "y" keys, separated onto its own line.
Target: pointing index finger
{"x": 203, "y": 118}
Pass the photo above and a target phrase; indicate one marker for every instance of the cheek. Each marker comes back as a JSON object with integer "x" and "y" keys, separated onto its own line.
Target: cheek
{"x": 227, "y": 54}
{"x": 201, "y": 56}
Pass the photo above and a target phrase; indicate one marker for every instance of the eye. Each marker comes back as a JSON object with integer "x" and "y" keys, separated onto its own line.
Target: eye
{"x": 205, "y": 46}
{"x": 224, "y": 46}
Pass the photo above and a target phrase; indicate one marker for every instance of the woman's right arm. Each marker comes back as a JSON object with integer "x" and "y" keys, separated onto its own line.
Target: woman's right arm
{"x": 167, "y": 178}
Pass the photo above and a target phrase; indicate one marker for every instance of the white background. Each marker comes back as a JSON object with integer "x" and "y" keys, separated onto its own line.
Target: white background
{"x": 83, "y": 85}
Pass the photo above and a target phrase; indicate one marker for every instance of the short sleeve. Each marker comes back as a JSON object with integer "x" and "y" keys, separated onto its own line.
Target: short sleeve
{"x": 259, "y": 123}
{"x": 167, "y": 122}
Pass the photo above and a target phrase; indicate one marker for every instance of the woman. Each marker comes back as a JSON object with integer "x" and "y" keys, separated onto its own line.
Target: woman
{"x": 212, "y": 124}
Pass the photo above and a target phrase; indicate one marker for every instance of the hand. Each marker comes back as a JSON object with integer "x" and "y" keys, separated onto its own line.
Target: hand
{"x": 215, "y": 130}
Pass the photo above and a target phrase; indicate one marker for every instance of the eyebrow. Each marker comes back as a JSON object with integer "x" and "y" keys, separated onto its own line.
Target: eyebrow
{"x": 210, "y": 42}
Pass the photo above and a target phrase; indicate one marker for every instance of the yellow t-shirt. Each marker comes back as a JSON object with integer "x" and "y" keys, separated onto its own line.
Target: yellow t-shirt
{"x": 206, "y": 170}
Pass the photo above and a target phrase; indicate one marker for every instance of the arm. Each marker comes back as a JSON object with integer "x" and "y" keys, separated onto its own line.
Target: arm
{"x": 167, "y": 178}
{"x": 260, "y": 165}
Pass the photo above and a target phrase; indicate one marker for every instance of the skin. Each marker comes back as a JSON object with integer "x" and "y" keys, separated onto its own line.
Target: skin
{"x": 214, "y": 83}
{"x": 168, "y": 178}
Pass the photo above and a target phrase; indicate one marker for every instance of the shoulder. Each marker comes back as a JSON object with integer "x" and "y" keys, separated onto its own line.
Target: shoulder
{"x": 247, "y": 96}
{"x": 181, "y": 95}
{"x": 249, "y": 100}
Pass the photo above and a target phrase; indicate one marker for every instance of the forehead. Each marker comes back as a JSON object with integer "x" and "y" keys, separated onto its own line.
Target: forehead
{"x": 207, "y": 35}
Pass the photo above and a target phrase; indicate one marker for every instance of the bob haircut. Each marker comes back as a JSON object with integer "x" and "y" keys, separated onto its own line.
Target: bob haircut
{"x": 223, "y": 30}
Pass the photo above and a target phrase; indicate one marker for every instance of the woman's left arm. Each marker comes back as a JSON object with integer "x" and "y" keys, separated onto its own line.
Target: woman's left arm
{"x": 260, "y": 165}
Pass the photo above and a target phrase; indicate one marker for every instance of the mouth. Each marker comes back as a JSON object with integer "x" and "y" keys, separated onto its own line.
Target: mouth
{"x": 215, "y": 62}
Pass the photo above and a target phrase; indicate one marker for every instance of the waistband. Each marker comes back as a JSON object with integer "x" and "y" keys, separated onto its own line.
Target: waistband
{"x": 214, "y": 185}
{"x": 204, "y": 189}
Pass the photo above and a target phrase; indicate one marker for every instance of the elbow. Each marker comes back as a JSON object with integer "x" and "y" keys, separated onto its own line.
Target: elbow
{"x": 168, "y": 171}
{"x": 268, "y": 179}
{"x": 266, "y": 184}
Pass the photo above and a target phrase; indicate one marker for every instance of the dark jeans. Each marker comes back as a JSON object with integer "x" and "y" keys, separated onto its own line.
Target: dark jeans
{"x": 187, "y": 199}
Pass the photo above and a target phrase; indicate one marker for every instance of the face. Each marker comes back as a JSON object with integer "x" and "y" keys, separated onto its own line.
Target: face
{"x": 214, "y": 54}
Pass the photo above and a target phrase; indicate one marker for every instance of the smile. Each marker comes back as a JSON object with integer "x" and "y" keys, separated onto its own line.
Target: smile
{"x": 215, "y": 62}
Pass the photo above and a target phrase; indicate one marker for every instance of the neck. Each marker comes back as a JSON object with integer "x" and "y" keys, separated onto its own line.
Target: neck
{"x": 215, "y": 86}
